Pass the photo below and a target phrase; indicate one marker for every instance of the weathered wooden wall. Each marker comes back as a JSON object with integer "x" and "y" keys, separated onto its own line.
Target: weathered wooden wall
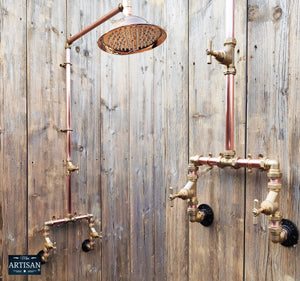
{"x": 136, "y": 120}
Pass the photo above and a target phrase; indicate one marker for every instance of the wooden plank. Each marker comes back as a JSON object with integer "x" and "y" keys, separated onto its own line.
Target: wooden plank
{"x": 176, "y": 136}
{"x": 273, "y": 110}
{"x": 147, "y": 151}
{"x": 216, "y": 252}
{"x": 46, "y": 144}
{"x": 13, "y": 136}
{"x": 115, "y": 162}
{"x": 86, "y": 124}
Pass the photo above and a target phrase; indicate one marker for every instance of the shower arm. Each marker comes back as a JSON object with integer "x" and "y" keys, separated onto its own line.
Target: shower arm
{"x": 95, "y": 24}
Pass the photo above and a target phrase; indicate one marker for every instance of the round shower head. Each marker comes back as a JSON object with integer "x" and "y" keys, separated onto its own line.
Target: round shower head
{"x": 131, "y": 35}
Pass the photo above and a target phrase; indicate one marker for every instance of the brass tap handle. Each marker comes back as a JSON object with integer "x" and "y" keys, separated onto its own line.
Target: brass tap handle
{"x": 256, "y": 211}
{"x": 209, "y": 52}
{"x": 171, "y": 196}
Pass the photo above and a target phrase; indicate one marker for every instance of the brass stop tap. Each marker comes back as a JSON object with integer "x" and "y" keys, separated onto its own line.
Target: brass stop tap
{"x": 225, "y": 56}
{"x": 202, "y": 213}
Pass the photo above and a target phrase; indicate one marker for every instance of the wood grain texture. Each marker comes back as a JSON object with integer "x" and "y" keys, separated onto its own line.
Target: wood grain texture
{"x": 216, "y": 252}
{"x": 115, "y": 174}
{"x": 46, "y": 144}
{"x": 176, "y": 137}
{"x": 13, "y": 136}
{"x": 147, "y": 151}
{"x": 273, "y": 109}
{"x": 136, "y": 120}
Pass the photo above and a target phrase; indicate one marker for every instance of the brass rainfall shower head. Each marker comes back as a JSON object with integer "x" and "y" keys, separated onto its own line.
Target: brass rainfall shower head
{"x": 131, "y": 35}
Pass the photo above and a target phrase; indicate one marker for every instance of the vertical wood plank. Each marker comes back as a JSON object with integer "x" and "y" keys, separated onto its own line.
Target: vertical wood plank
{"x": 273, "y": 110}
{"x": 13, "y": 135}
{"x": 147, "y": 194}
{"x": 46, "y": 117}
{"x": 176, "y": 136}
{"x": 86, "y": 124}
{"x": 115, "y": 162}
{"x": 222, "y": 189}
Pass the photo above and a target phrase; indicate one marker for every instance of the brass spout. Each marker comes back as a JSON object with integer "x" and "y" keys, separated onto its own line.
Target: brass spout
{"x": 194, "y": 214}
{"x": 277, "y": 233}
{"x": 225, "y": 57}
{"x": 48, "y": 245}
{"x": 71, "y": 167}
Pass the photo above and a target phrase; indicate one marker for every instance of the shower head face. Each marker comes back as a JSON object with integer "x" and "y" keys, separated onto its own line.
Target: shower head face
{"x": 131, "y": 35}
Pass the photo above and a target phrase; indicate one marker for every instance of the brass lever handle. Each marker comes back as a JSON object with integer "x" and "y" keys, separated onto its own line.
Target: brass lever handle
{"x": 209, "y": 51}
{"x": 256, "y": 211}
{"x": 171, "y": 196}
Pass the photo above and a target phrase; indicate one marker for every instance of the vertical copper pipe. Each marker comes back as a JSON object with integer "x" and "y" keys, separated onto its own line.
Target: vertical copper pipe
{"x": 68, "y": 113}
{"x": 230, "y": 18}
{"x": 229, "y": 139}
{"x": 229, "y": 142}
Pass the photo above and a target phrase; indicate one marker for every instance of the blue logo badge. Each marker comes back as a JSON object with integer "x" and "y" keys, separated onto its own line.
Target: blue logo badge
{"x": 24, "y": 265}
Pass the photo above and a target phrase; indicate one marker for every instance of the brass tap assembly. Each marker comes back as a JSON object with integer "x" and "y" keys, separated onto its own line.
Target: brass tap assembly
{"x": 281, "y": 230}
{"x": 87, "y": 244}
{"x": 71, "y": 167}
{"x": 225, "y": 57}
{"x": 202, "y": 213}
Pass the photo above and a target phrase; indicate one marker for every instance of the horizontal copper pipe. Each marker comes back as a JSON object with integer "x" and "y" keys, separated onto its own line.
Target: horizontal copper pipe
{"x": 95, "y": 24}
{"x": 66, "y": 220}
{"x": 234, "y": 162}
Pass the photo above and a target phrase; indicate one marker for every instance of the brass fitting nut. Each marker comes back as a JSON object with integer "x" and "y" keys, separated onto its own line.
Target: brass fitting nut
{"x": 192, "y": 178}
{"x": 274, "y": 186}
{"x": 274, "y": 174}
{"x": 229, "y": 154}
{"x": 230, "y": 41}
{"x": 194, "y": 159}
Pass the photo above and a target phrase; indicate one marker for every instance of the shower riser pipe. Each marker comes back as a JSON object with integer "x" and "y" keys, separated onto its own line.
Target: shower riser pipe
{"x": 229, "y": 136}
{"x": 68, "y": 129}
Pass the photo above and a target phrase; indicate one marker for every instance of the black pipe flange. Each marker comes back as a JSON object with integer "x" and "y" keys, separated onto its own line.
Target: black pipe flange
{"x": 41, "y": 254}
{"x": 208, "y": 214}
{"x": 292, "y": 233}
{"x": 86, "y": 245}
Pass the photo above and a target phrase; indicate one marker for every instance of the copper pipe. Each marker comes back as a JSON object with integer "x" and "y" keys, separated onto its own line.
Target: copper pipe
{"x": 95, "y": 24}
{"x": 68, "y": 219}
{"x": 238, "y": 163}
{"x": 68, "y": 129}
{"x": 229, "y": 140}
{"x": 230, "y": 18}
{"x": 68, "y": 101}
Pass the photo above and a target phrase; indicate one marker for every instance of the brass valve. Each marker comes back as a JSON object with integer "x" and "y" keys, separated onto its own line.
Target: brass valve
{"x": 225, "y": 57}
{"x": 71, "y": 167}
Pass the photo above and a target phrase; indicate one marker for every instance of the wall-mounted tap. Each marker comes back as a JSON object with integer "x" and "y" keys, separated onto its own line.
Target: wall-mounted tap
{"x": 225, "y": 57}
{"x": 202, "y": 213}
{"x": 281, "y": 230}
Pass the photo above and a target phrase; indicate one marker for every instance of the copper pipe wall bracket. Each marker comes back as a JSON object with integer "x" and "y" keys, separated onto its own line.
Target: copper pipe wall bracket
{"x": 225, "y": 56}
